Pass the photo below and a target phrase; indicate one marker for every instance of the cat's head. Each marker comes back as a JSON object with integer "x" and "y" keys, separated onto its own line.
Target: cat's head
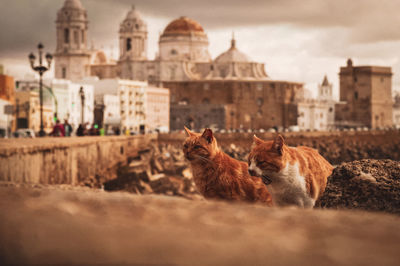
{"x": 267, "y": 158}
{"x": 198, "y": 147}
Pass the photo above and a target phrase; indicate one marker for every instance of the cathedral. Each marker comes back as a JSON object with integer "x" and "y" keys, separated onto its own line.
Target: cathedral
{"x": 240, "y": 90}
{"x": 183, "y": 52}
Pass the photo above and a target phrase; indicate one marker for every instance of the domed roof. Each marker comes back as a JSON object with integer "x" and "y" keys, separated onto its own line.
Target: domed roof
{"x": 232, "y": 55}
{"x": 73, "y": 4}
{"x": 183, "y": 25}
{"x": 133, "y": 14}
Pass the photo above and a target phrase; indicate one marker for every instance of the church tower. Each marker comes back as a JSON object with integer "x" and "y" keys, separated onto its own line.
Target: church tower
{"x": 325, "y": 90}
{"x": 133, "y": 37}
{"x": 72, "y": 56}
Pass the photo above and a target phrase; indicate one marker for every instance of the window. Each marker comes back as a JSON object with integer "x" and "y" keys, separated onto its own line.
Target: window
{"x": 66, "y": 35}
{"x": 64, "y": 72}
{"x": 206, "y": 101}
{"x": 128, "y": 44}
{"x": 260, "y": 101}
{"x": 174, "y": 52}
{"x": 355, "y": 95}
{"x": 330, "y": 110}
{"x": 76, "y": 37}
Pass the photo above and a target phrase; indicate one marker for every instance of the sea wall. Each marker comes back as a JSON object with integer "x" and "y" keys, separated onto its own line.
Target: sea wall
{"x": 75, "y": 160}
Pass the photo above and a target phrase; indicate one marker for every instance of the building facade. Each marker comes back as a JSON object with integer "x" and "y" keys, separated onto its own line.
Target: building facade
{"x": 72, "y": 56}
{"x": 184, "y": 65}
{"x": 132, "y": 101}
{"x": 396, "y": 110}
{"x": 27, "y": 113}
{"x": 7, "y": 97}
{"x": 250, "y": 104}
{"x": 318, "y": 114}
{"x": 366, "y": 96}
{"x": 157, "y": 109}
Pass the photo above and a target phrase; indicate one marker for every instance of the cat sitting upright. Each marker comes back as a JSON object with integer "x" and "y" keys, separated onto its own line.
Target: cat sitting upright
{"x": 294, "y": 176}
{"x": 218, "y": 176}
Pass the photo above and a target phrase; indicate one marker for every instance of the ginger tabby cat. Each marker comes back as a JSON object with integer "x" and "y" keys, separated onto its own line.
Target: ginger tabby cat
{"x": 217, "y": 175}
{"x": 294, "y": 176}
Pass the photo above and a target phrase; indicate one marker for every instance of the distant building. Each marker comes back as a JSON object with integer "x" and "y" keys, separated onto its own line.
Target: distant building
{"x": 317, "y": 114}
{"x": 200, "y": 116}
{"x": 396, "y": 110}
{"x": 131, "y": 97}
{"x": 366, "y": 97}
{"x": 72, "y": 56}
{"x": 69, "y": 101}
{"x": 7, "y": 88}
{"x": 183, "y": 64}
{"x": 157, "y": 109}
{"x": 62, "y": 97}
{"x": 7, "y": 97}
{"x": 27, "y": 113}
{"x": 247, "y": 104}
{"x": 107, "y": 111}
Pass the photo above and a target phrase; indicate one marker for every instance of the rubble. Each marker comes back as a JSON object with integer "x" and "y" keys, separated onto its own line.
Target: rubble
{"x": 369, "y": 184}
{"x": 162, "y": 169}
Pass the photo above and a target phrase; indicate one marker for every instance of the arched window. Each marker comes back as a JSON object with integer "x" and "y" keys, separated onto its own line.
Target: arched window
{"x": 128, "y": 44}
{"x": 66, "y": 35}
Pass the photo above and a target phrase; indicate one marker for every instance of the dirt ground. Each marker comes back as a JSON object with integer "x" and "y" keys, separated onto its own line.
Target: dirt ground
{"x": 372, "y": 185}
{"x": 75, "y": 225}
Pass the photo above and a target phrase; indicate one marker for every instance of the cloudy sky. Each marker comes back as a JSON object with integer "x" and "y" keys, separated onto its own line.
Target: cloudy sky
{"x": 298, "y": 40}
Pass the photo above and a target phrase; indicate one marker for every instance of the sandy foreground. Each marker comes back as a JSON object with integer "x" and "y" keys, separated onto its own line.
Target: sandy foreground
{"x": 85, "y": 226}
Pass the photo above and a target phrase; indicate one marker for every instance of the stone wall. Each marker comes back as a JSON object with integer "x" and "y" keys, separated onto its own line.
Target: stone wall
{"x": 75, "y": 160}
{"x": 336, "y": 147}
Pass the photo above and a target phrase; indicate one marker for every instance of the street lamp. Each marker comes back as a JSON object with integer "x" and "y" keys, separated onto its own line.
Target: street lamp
{"x": 82, "y": 94}
{"x": 40, "y": 69}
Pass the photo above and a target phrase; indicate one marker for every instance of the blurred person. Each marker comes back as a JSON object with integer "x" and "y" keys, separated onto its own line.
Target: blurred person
{"x": 68, "y": 128}
{"x": 58, "y": 129}
{"x": 81, "y": 131}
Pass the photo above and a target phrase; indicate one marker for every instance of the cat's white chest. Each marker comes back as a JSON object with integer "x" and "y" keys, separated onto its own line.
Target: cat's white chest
{"x": 289, "y": 187}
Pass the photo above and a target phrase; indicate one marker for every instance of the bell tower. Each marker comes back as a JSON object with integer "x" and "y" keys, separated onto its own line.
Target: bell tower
{"x": 133, "y": 37}
{"x": 325, "y": 90}
{"x": 72, "y": 57}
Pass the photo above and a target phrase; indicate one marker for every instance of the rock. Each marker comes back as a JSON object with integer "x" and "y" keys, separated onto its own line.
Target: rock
{"x": 369, "y": 184}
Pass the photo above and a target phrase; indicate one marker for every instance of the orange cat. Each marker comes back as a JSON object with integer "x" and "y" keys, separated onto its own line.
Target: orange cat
{"x": 218, "y": 176}
{"x": 294, "y": 176}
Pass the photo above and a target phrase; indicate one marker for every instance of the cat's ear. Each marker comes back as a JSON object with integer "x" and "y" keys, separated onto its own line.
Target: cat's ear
{"x": 278, "y": 144}
{"x": 208, "y": 135}
{"x": 188, "y": 132}
{"x": 257, "y": 141}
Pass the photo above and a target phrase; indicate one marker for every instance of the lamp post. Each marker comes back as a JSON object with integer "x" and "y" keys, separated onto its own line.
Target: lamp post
{"x": 82, "y": 94}
{"x": 40, "y": 69}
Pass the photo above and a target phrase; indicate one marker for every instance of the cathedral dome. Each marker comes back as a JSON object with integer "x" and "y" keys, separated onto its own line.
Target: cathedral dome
{"x": 183, "y": 26}
{"x": 232, "y": 55}
{"x": 133, "y": 22}
{"x": 73, "y": 4}
{"x": 133, "y": 14}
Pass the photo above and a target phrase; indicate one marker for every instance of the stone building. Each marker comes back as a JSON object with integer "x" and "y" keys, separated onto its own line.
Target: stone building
{"x": 62, "y": 97}
{"x": 366, "y": 96}
{"x": 396, "y": 110}
{"x": 131, "y": 98}
{"x": 7, "y": 99}
{"x": 248, "y": 104}
{"x": 157, "y": 109}
{"x": 318, "y": 114}
{"x": 72, "y": 56}
{"x": 27, "y": 113}
{"x": 183, "y": 64}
